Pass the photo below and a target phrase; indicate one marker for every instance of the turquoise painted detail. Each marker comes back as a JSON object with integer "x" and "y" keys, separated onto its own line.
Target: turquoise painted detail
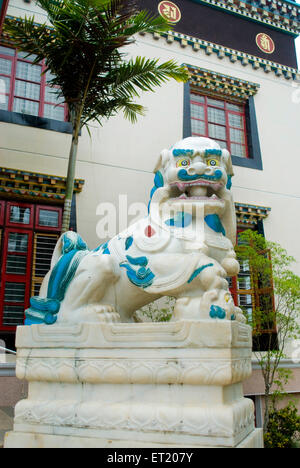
{"x": 98, "y": 248}
{"x": 232, "y": 317}
{"x": 142, "y": 277}
{"x": 45, "y": 310}
{"x": 183, "y": 152}
{"x": 58, "y": 274}
{"x": 213, "y": 152}
{"x": 45, "y": 304}
{"x": 181, "y": 220}
{"x": 214, "y": 222}
{"x": 128, "y": 242}
{"x": 153, "y": 190}
{"x": 218, "y": 174}
{"x": 158, "y": 180}
{"x": 229, "y": 182}
{"x": 183, "y": 175}
{"x": 158, "y": 183}
{"x": 198, "y": 271}
{"x": 72, "y": 241}
{"x": 101, "y": 247}
{"x": 104, "y": 248}
{"x": 42, "y": 310}
{"x": 141, "y": 261}
{"x": 217, "y": 312}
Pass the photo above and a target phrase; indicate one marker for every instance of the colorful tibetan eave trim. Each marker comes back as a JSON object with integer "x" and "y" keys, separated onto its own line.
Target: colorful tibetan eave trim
{"x": 29, "y": 194}
{"x": 281, "y": 15}
{"x": 250, "y": 214}
{"x": 16, "y": 19}
{"x": 212, "y": 81}
{"x": 31, "y": 185}
{"x": 234, "y": 55}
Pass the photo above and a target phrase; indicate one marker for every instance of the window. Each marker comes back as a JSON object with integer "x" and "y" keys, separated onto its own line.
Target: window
{"x": 223, "y": 121}
{"x": 43, "y": 247}
{"x": 48, "y": 218}
{"x": 29, "y": 234}
{"x": 19, "y": 215}
{"x": 24, "y": 87}
{"x": 215, "y": 114}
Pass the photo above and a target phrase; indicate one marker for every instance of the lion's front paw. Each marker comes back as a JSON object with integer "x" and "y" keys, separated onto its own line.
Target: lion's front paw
{"x": 239, "y": 316}
{"x": 231, "y": 266}
{"x": 219, "y": 305}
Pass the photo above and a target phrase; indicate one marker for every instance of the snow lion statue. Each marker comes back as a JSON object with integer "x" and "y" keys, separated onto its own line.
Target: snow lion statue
{"x": 183, "y": 249}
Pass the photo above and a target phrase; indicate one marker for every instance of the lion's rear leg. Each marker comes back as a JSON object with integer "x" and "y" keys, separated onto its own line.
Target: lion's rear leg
{"x": 85, "y": 297}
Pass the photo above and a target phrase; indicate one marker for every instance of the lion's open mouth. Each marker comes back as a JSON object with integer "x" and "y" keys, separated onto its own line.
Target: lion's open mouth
{"x": 199, "y": 190}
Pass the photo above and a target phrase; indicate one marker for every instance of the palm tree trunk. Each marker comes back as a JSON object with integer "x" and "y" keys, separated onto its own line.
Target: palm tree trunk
{"x": 75, "y": 115}
{"x": 70, "y": 181}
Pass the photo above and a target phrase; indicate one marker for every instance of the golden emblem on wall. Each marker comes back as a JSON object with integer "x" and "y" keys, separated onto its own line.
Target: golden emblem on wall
{"x": 169, "y": 11}
{"x": 265, "y": 43}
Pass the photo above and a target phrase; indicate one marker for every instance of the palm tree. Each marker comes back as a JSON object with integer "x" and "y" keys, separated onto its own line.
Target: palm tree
{"x": 82, "y": 48}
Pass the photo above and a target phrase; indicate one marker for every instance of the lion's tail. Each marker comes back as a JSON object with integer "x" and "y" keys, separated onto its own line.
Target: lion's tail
{"x": 69, "y": 251}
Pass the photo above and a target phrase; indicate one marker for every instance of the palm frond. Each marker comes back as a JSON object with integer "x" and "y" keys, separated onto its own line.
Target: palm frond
{"x": 144, "y": 75}
{"x": 131, "y": 110}
{"x": 144, "y": 21}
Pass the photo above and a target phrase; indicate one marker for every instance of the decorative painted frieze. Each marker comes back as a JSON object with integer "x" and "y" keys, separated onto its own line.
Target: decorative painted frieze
{"x": 283, "y": 15}
{"x": 233, "y": 55}
{"x": 29, "y": 185}
{"x": 249, "y": 215}
{"x": 218, "y": 83}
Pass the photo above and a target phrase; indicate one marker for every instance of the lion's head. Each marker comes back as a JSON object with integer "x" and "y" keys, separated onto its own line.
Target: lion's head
{"x": 195, "y": 172}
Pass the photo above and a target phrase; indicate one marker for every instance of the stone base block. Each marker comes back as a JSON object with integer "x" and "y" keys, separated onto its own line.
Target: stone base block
{"x": 253, "y": 440}
{"x": 27, "y": 440}
{"x": 175, "y": 384}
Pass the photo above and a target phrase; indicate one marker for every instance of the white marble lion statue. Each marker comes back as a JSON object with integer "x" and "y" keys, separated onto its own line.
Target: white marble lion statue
{"x": 183, "y": 249}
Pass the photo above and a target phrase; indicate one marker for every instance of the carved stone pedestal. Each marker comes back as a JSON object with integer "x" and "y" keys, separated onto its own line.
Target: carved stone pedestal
{"x": 175, "y": 384}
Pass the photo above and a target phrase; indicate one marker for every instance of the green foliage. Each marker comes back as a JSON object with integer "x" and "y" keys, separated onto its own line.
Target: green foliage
{"x": 270, "y": 269}
{"x": 280, "y": 381}
{"x": 283, "y": 428}
{"x": 82, "y": 47}
{"x": 155, "y": 313}
{"x": 276, "y": 308}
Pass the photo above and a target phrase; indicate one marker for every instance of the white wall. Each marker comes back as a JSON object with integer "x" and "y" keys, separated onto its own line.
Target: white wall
{"x": 19, "y": 8}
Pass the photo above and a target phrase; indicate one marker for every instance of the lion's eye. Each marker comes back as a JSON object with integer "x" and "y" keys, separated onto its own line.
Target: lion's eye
{"x": 213, "y": 162}
{"x": 183, "y": 162}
